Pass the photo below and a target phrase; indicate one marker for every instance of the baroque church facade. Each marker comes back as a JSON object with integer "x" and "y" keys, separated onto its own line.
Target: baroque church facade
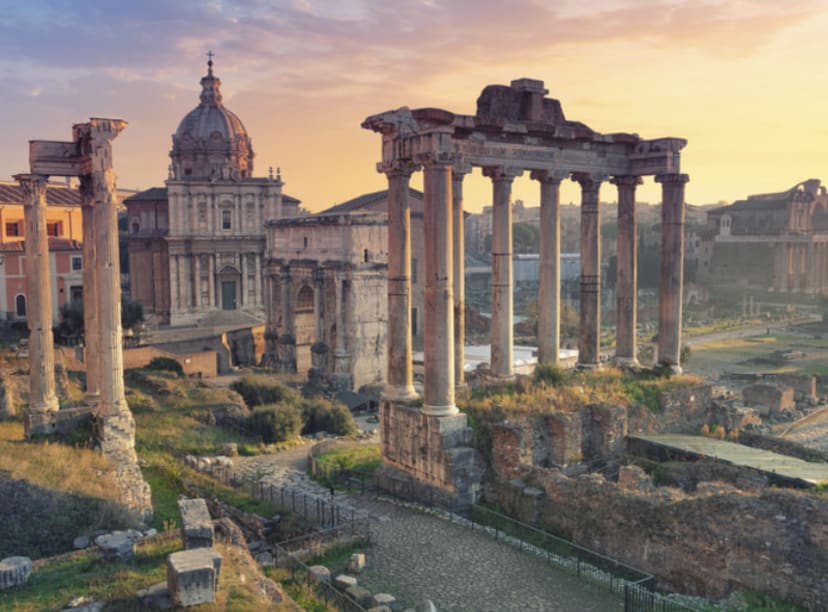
{"x": 196, "y": 246}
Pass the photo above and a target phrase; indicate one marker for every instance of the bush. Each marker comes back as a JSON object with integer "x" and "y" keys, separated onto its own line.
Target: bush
{"x": 275, "y": 423}
{"x": 165, "y": 364}
{"x": 550, "y": 374}
{"x": 320, "y": 414}
{"x": 260, "y": 391}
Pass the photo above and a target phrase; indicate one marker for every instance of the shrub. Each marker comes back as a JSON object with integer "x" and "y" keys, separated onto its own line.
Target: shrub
{"x": 550, "y": 374}
{"x": 260, "y": 390}
{"x": 275, "y": 423}
{"x": 320, "y": 414}
{"x": 165, "y": 364}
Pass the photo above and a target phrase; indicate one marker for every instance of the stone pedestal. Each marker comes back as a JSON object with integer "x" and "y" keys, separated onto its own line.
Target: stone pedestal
{"x": 436, "y": 450}
{"x": 286, "y": 354}
{"x": 14, "y": 571}
{"x": 193, "y": 576}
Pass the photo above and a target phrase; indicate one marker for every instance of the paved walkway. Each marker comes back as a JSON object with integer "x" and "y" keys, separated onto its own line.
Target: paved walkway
{"x": 415, "y": 555}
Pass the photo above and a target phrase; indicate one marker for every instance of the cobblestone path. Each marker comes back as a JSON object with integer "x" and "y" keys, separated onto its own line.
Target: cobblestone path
{"x": 415, "y": 555}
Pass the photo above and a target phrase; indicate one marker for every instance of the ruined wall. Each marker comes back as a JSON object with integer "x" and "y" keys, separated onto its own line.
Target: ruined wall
{"x": 366, "y": 337}
{"x": 768, "y": 398}
{"x": 706, "y": 544}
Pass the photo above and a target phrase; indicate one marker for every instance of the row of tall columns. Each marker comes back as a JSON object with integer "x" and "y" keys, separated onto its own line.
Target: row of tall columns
{"x": 43, "y": 397}
{"x": 801, "y": 267}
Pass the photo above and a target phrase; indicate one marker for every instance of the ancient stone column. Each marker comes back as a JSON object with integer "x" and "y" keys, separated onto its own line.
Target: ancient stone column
{"x": 197, "y": 281}
{"x": 459, "y": 271}
{"x": 438, "y": 336}
{"x": 400, "y": 379}
{"x": 42, "y": 397}
{"x": 502, "y": 362}
{"x": 91, "y": 336}
{"x": 549, "y": 278}
{"x": 811, "y": 268}
{"x": 117, "y": 427}
{"x": 589, "y": 342}
{"x": 627, "y": 273}
{"x": 342, "y": 373}
{"x": 211, "y": 280}
{"x": 672, "y": 269}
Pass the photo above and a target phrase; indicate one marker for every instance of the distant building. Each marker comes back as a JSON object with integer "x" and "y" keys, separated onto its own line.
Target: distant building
{"x": 776, "y": 242}
{"x": 196, "y": 246}
{"x": 64, "y": 227}
{"x": 326, "y": 278}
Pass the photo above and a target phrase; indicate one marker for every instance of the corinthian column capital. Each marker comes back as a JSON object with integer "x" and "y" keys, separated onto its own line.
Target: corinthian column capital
{"x": 502, "y": 173}
{"x": 549, "y": 175}
{"x": 626, "y": 181}
{"x": 34, "y": 188}
{"x": 398, "y": 167}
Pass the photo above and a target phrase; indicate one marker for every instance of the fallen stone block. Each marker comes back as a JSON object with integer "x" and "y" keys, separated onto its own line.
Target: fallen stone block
{"x": 14, "y": 571}
{"x": 361, "y": 595}
{"x": 387, "y": 601}
{"x": 81, "y": 542}
{"x": 193, "y": 575}
{"x": 343, "y": 581}
{"x": 319, "y": 573}
{"x": 116, "y": 546}
{"x": 356, "y": 563}
{"x": 196, "y": 524}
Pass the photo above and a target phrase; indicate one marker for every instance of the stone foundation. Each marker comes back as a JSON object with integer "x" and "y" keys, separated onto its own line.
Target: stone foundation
{"x": 434, "y": 450}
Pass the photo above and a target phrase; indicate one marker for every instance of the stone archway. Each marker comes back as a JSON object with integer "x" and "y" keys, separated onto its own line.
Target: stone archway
{"x": 229, "y": 288}
{"x": 305, "y": 326}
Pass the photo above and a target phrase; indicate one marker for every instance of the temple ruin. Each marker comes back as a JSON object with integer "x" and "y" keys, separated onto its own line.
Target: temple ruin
{"x": 516, "y": 129}
{"x": 89, "y": 157}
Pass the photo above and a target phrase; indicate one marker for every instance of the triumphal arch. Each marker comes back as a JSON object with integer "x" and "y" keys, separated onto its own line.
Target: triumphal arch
{"x": 87, "y": 156}
{"x": 516, "y": 129}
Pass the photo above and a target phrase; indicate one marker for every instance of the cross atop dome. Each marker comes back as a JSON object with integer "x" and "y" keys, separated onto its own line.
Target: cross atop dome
{"x": 210, "y": 56}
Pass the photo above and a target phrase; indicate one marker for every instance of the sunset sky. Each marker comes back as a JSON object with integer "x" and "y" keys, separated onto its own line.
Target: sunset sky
{"x": 743, "y": 80}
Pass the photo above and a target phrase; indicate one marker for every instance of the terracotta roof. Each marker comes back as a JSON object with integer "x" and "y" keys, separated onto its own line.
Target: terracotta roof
{"x": 12, "y": 193}
{"x": 369, "y": 202}
{"x": 55, "y": 244}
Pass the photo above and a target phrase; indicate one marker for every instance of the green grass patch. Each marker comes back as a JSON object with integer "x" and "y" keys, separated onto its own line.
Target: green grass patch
{"x": 362, "y": 458}
{"x": 51, "y": 587}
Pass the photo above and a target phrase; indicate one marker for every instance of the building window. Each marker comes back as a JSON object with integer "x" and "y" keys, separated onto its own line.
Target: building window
{"x": 305, "y": 242}
{"x": 226, "y": 220}
{"x": 413, "y": 321}
{"x": 365, "y": 256}
{"x": 413, "y": 271}
{"x": 53, "y": 229}
{"x": 20, "y": 305}
{"x": 14, "y": 228}
{"x": 76, "y": 294}
{"x": 188, "y": 171}
{"x": 77, "y": 263}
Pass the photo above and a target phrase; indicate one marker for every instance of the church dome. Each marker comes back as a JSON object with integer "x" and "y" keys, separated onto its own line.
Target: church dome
{"x": 211, "y": 141}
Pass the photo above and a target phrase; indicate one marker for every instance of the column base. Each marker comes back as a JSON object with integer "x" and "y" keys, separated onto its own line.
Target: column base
{"x": 394, "y": 393}
{"x": 40, "y": 422}
{"x": 674, "y": 368}
{"x": 589, "y": 367}
{"x": 447, "y": 410}
{"x": 92, "y": 399}
{"x": 434, "y": 451}
{"x": 627, "y": 362}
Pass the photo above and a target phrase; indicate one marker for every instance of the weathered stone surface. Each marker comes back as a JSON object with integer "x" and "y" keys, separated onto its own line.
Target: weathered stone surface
{"x": 196, "y": 524}
{"x": 85, "y": 603}
{"x": 775, "y": 399}
{"x": 81, "y": 542}
{"x": 633, "y": 478}
{"x": 14, "y": 571}
{"x": 117, "y": 546}
{"x": 230, "y": 450}
{"x": 356, "y": 563}
{"x": 193, "y": 575}
{"x": 343, "y": 581}
{"x": 361, "y": 595}
{"x": 319, "y": 573}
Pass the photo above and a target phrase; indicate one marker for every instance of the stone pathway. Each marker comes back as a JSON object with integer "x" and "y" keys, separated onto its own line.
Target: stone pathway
{"x": 415, "y": 555}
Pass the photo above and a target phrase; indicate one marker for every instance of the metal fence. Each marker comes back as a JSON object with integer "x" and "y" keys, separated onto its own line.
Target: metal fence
{"x": 324, "y": 591}
{"x": 637, "y": 587}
